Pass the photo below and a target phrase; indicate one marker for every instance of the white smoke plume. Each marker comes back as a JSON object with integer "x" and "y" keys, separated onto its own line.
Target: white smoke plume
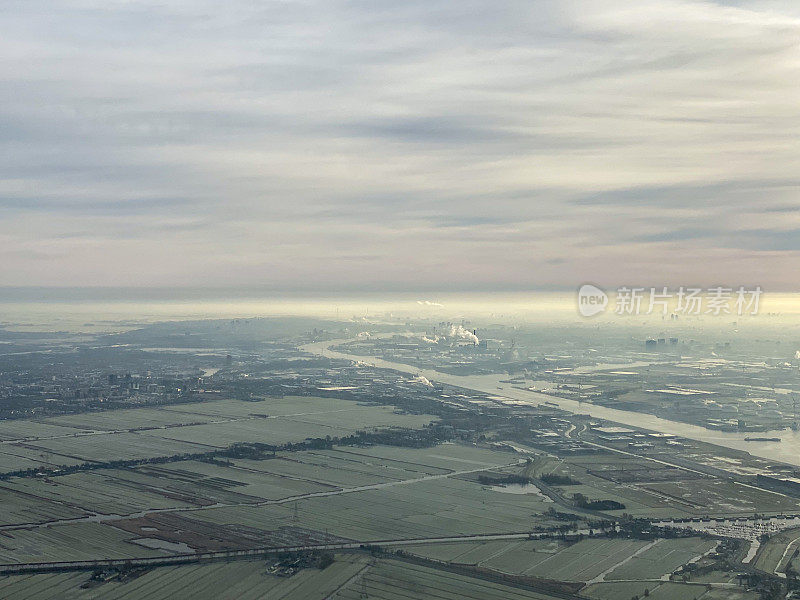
{"x": 428, "y": 303}
{"x": 458, "y": 332}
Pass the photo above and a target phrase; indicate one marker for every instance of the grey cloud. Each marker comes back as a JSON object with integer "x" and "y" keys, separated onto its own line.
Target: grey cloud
{"x": 412, "y": 142}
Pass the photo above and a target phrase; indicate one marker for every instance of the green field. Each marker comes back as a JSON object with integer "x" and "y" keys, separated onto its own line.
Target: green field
{"x": 663, "y": 558}
{"x": 371, "y": 493}
{"x": 582, "y": 561}
{"x": 665, "y": 591}
{"x": 395, "y": 580}
{"x": 686, "y": 496}
{"x": 143, "y": 433}
{"x": 777, "y": 552}
{"x": 348, "y": 578}
{"x": 77, "y": 541}
{"x": 219, "y": 581}
{"x": 440, "y": 507}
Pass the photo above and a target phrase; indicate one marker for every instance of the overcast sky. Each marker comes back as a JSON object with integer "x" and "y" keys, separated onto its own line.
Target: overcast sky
{"x": 399, "y": 144}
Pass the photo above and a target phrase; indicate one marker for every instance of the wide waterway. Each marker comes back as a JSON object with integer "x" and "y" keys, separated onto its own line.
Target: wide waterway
{"x": 787, "y": 450}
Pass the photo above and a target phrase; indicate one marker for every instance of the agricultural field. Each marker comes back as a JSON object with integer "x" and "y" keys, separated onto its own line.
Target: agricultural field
{"x": 443, "y": 506}
{"x": 115, "y": 446}
{"x": 186, "y": 429}
{"x": 652, "y": 491}
{"x": 608, "y": 559}
{"x": 663, "y": 557}
{"x": 395, "y": 580}
{"x": 664, "y": 590}
{"x": 112, "y": 492}
{"x": 192, "y": 484}
{"x": 778, "y": 552}
{"x": 443, "y": 456}
{"x": 19, "y": 507}
{"x": 76, "y": 541}
{"x": 621, "y": 478}
{"x": 310, "y": 409}
{"x": 508, "y": 556}
{"x": 339, "y": 467}
{"x": 582, "y": 561}
{"x": 352, "y": 493}
{"x": 629, "y": 589}
{"x": 219, "y": 581}
{"x": 318, "y": 496}
{"x": 723, "y": 498}
{"x": 371, "y": 493}
{"x": 586, "y": 560}
{"x": 20, "y": 429}
{"x": 21, "y": 456}
{"x": 230, "y": 484}
{"x": 348, "y": 578}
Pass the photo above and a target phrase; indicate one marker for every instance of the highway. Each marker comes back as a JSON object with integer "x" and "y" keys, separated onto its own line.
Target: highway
{"x": 263, "y": 552}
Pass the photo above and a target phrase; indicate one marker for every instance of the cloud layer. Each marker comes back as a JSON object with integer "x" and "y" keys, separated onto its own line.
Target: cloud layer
{"x": 400, "y": 144}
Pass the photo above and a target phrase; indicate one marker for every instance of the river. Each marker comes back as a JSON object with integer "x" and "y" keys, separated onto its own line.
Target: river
{"x": 788, "y": 450}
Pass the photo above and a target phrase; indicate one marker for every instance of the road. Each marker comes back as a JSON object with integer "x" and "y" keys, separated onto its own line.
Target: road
{"x": 196, "y": 557}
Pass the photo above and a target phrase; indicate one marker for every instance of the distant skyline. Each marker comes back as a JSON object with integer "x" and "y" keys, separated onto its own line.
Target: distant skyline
{"x": 400, "y": 145}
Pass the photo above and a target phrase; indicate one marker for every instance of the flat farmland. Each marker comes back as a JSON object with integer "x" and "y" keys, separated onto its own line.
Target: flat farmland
{"x": 427, "y": 508}
{"x": 76, "y": 541}
{"x": 336, "y": 422}
{"x": 582, "y": 561}
{"x": 586, "y": 559}
{"x": 314, "y": 409}
{"x": 263, "y": 431}
{"x": 508, "y": 556}
{"x": 41, "y": 587}
{"x": 117, "y": 446}
{"x": 407, "y": 483}
{"x": 650, "y": 490}
{"x": 777, "y": 552}
{"x": 272, "y": 407}
{"x": 108, "y": 492}
{"x": 340, "y": 467}
{"x": 259, "y": 485}
{"x": 219, "y": 581}
{"x": 188, "y": 428}
{"x": 662, "y": 558}
{"x": 112, "y": 420}
{"x": 595, "y": 474}
{"x": 720, "y": 497}
{"x": 636, "y": 500}
{"x": 19, "y": 506}
{"x": 20, "y": 457}
{"x": 346, "y": 579}
{"x": 369, "y": 493}
{"x": 444, "y": 456}
{"x": 658, "y": 590}
{"x": 395, "y": 580}
{"x": 690, "y": 497}
{"x": 20, "y": 429}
